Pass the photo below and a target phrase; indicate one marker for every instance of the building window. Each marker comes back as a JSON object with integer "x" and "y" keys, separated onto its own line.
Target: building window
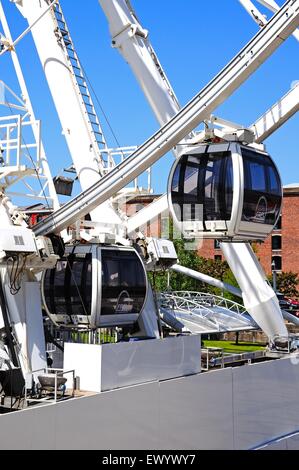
{"x": 278, "y": 224}
{"x": 218, "y": 258}
{"x": 276, "y": 242}
{"x": 217, "y": 244}
{"x": 276, "y": 260}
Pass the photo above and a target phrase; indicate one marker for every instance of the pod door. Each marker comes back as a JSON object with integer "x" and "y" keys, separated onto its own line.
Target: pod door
{"x": 95, "y": 286}
{"x": 200, "y": 191}
{"x": 123, "y": 287}
{"x": 262, "y": 193}
{"x": 68, "y": 291}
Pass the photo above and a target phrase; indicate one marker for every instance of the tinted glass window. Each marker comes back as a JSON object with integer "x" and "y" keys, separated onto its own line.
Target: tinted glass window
{"x": 257, "y": 176}
{"x": 67, "y": 288}
{"x": 277, "y": 262}
{"x": 278, "y": 224}
{"x": 262, "y": 188}
{"x": 276, "y": 242}
{"x": 275, "y": 187}
{"x": 123, "y": 282}
{"x": 202, "y": 187}
{"x": 80, "y": 285}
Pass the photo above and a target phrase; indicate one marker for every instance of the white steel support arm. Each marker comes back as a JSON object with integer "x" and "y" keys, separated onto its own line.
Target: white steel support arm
{"x": 277, "y": 115}
{"x": 68, "y": 100}
{"x": 206, "y": 279}
{"x": 13, "y": 44}
{"x": 148, "y": 213}
{"x": 131, "y": 40}
{"x": 274, "y": 7}
{"x": 267, "y": 40}
{"x": 251, "y": 9}
{"x": 258, "y": 17}
{"x": 259, "y": 298}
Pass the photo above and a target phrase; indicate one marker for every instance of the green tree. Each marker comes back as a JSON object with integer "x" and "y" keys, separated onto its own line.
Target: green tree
{"x": 287, "y": 283}
{"x": 190, "y": 259}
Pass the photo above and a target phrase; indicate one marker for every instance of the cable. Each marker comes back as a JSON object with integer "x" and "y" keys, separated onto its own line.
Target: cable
{"x": 15, "y": 272}
{"x": 99, "y": 104}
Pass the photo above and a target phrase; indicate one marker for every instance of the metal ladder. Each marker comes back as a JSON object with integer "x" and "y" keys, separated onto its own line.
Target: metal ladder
{"x": 81, "y": 85}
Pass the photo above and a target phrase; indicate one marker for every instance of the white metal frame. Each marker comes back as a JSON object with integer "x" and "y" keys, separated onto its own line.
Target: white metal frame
{"x": 45, "y": 173}
{"x": 258, "y": 17}
{"x": 230, "y": 78}
{"x": 22, "y": 161}
{"x": 277, "y": 115}
{"x": 203, "y": 310}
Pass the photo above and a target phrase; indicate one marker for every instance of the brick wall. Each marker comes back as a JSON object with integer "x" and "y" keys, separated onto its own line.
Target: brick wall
{"x": 289, "y": 236}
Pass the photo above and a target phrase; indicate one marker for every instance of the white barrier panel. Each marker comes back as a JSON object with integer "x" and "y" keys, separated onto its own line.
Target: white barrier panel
{"x": 110, "y": 366}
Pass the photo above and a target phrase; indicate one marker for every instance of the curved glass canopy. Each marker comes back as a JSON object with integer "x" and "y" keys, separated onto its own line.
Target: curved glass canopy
{"x": 225, "y": 191}
{"x": 95, "y": 287}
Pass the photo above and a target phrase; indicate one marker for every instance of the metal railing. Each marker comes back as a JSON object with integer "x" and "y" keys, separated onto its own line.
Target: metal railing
{"x": 211, "y": 313}
{"x": 21, "y": 163}
{"x": 208, "y": 300}
{"x": 52, "y": 388}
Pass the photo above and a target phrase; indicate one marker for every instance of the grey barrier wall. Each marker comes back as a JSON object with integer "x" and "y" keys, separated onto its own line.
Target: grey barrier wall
{"x": 233, "y": 408}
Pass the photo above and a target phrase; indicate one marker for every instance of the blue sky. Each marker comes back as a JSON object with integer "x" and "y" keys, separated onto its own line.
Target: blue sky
{"x": 194, "y": 40}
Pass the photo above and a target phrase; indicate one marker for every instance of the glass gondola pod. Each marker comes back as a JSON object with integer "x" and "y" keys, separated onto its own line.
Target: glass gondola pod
{"x": 225, "y": 191}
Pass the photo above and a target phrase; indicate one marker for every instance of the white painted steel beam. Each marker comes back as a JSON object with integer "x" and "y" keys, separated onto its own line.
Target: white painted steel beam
{"x": 29, "y": 108}
{"x": 131, "y": 39}
{"x": 277, "y": 115}
{"x": 258, "y": 17}
{"x": 150, "y": 212}
{"x": 68, "y": 101}
{"x": 206, "y": 279}
{"x": 274, "y": 7}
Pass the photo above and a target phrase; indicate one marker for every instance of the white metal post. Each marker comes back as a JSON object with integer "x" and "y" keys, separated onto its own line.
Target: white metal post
{"x": 26, "y": 97}
{"x": 67, "y": 100}
{"x": 19, "y": 140}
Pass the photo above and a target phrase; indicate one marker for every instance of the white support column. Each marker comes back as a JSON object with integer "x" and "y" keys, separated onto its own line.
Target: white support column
{"x": 258, "y": 17}
{"x": 259, "y": 298}
{"x": 206, "y": 279}
{"x": 66, "y": 100}
{"x": 130, "y": 39}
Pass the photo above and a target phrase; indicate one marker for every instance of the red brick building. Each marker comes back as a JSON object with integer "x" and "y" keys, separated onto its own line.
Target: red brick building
{"x": 280, "y": 248}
